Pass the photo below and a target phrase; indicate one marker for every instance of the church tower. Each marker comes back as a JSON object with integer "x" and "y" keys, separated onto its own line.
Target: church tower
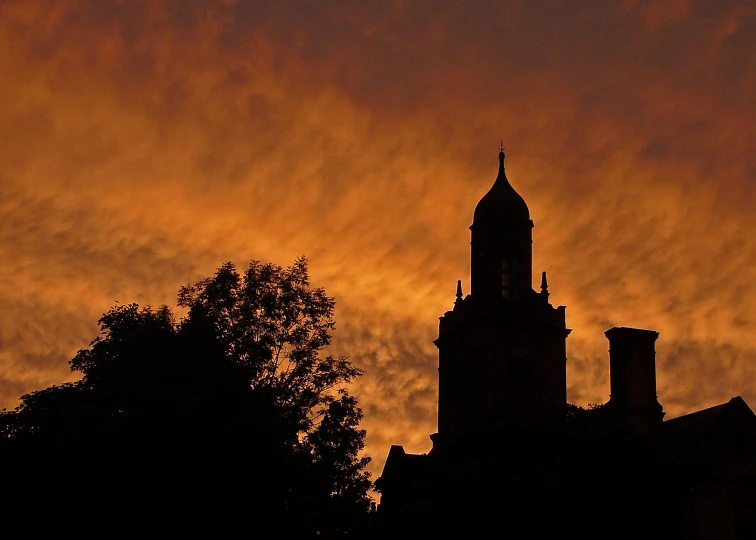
{"x": 502, "y": 349}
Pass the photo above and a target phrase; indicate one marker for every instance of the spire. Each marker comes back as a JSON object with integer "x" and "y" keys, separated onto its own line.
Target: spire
{"x": 501, "y": 247}
{"x": 459, "y": 289}
{"x": 544, "y": 283}
{"x": 501, "y": 201}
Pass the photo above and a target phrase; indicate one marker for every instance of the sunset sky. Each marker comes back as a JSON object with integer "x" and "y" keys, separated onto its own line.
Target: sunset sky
{"x": 145, "y": 143}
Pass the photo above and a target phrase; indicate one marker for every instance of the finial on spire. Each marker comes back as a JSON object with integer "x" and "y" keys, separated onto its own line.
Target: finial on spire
{"x": 459, "y": 289}
{"x": 501, "y": 154}
{"x": 544, "y": 283}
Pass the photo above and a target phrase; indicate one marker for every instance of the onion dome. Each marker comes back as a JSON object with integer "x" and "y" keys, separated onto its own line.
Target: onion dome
{"x": 501, "y": 202}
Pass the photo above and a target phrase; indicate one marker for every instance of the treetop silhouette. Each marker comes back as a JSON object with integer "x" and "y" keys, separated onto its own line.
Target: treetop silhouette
{"x": 237, "y": 392}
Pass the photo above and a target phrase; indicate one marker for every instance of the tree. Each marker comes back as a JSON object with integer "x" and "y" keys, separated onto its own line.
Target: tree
{"x": 234, "y": 405}
{"x": 592, "y": 420}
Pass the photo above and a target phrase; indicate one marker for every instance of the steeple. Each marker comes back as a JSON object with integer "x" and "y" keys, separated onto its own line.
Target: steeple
{"x": 502, "y": 348}
{"x": 501, "y": 257}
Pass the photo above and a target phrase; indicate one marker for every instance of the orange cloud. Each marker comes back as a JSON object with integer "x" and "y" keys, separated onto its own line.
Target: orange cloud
{"x": 147, "y": 143}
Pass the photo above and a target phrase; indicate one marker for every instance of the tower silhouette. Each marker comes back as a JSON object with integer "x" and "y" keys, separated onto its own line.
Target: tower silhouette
{"x": 502, "y": 349}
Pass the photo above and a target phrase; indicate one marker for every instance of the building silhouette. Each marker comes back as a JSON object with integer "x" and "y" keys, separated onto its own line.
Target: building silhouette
{"x": 512, "y": 458}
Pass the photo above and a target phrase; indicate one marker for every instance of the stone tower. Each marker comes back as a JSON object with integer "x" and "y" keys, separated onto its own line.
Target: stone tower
{"x": 502, "y": 349}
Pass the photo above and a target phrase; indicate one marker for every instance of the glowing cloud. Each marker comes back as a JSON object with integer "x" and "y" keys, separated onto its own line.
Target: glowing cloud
{"x": 147, "y": 143}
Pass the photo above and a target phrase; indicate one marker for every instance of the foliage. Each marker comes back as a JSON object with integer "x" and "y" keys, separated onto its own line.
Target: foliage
{"x": 592, "y": 420}
{"x": 237, "y": 394}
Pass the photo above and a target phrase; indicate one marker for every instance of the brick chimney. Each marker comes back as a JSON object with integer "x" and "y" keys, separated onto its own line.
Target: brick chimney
{"x": 632, "y": 369}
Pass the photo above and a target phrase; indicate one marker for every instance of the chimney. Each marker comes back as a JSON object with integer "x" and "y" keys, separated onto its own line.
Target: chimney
{"x": 632, "y": 369}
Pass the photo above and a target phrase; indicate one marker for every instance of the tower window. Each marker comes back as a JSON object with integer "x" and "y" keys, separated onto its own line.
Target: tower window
{"x": 506, "y": 278}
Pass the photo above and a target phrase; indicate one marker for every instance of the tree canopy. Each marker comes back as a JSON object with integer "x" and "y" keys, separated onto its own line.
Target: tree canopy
{"x": 233, "y": 406}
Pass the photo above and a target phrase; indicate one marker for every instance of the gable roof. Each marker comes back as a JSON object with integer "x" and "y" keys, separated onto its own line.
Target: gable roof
{"x": 707, "y": 419}
{"x": 708, "y": 439}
